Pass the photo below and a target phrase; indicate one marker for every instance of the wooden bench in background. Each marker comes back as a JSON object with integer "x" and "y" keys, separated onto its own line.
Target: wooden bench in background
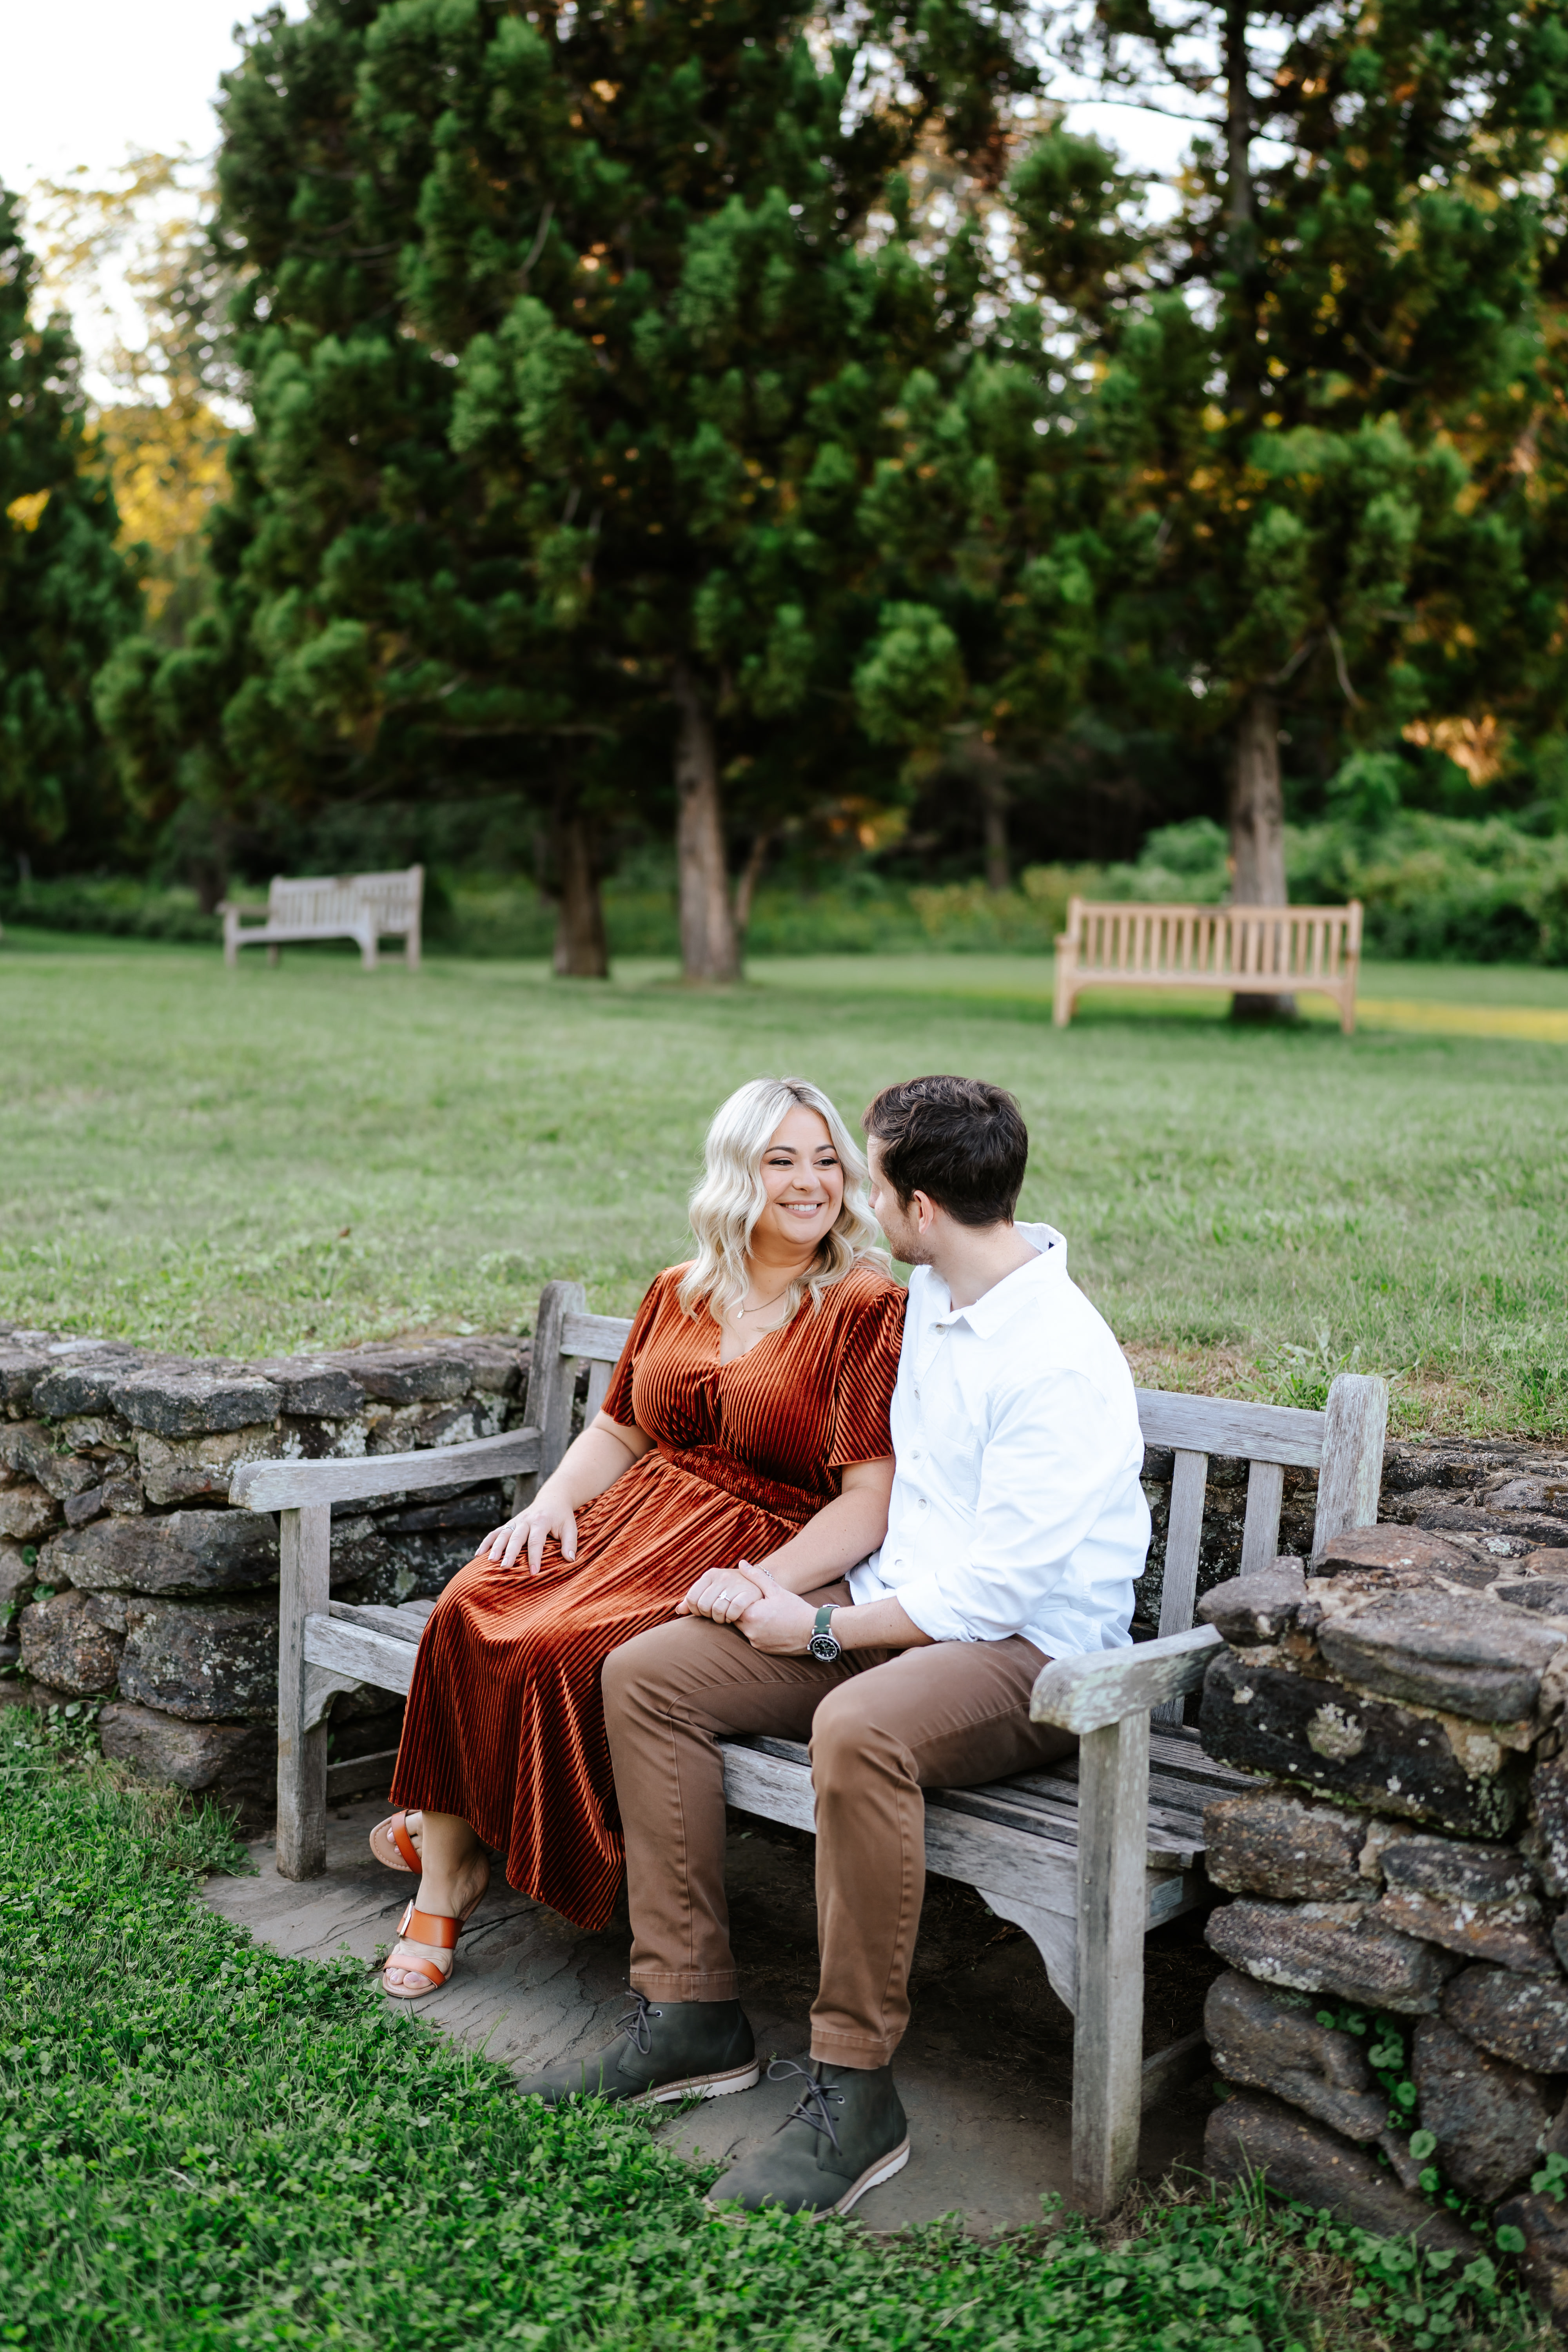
{"x": 1086, "y": 1856}
{"x": 1245, "y": 950}
{"x": 365, "y": 908}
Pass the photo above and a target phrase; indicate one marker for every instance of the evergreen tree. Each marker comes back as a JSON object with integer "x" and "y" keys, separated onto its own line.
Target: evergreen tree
{"x": 1320, "y": 407}
{"x": 67, "y": 594}
{"x": 573, "y": 346}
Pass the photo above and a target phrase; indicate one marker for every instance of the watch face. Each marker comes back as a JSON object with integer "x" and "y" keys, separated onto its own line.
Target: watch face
{"x": 824, "y": 1648}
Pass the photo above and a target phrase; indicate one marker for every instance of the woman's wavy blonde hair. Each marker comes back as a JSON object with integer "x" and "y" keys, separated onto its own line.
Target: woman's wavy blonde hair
{"x": 730, "y": 1197}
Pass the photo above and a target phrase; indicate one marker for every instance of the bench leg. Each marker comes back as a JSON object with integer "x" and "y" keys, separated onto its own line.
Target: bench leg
{"x": 1054, "y": 1937}
{"x": 274, "y": 956}
{"x": 1112, "y": 1903}
{"x": 304, "y": 1553}
{"x": 1064, "y": 993}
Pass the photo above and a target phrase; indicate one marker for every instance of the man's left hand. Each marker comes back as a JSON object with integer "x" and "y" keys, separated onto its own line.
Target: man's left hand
{"x": 780, "y": 1624}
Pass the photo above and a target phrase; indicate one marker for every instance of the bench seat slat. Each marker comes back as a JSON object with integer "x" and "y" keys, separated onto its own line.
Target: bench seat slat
{"x": 784, "y": 1769}
{"x": 1183, "y": 1818}
{"x": 1177, "y": 1795}
{"x": 405, "y": 1623}
{"x": 364, "y": 1653}
{"x": 1170, "y": 1846}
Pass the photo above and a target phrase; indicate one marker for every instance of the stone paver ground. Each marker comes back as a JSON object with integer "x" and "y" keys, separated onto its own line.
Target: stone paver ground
{"x": 984, "y": 2072}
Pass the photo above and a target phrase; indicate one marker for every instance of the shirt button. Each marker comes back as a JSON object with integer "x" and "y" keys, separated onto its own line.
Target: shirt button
{"x": 924, "y": 1505}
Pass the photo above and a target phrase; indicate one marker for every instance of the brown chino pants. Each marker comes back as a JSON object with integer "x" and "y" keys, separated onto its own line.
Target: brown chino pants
{"x": 882, "y": 1725}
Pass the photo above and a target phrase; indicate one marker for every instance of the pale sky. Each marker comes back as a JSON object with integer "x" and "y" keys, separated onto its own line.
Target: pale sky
{"x": 86, "y": 80}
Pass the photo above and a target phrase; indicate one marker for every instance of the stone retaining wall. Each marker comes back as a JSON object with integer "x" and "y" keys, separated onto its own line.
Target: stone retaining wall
{"x": 125, "y": 1576}
{"x": 1394, "y": 2017}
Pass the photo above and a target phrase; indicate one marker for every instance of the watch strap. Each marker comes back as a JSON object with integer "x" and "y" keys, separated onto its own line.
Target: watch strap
{"x": 824, "y": 1618}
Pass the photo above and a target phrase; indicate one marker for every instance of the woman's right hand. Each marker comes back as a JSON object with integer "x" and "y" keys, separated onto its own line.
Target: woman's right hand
{"x": 547, "y": 1515}
{"x": 722, "y": 1594}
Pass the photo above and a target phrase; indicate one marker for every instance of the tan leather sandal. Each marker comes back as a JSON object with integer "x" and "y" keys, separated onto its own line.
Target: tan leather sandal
{"x": 428, "y": 1927}
{"x": 391, "y": 1844}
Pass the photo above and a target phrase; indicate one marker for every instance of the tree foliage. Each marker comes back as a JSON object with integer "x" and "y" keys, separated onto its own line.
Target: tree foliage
{"x": 570, "y": 356}
{"x": 65, "y": 593}
{"x": 717, "y": 417}
{"x": 1323, "y": 410}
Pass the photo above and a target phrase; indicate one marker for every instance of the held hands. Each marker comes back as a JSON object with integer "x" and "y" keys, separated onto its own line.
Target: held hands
{"x": 724, "y": 1594}
{"x": 547, "y": 1515}
{"x": 776, "y": 1622}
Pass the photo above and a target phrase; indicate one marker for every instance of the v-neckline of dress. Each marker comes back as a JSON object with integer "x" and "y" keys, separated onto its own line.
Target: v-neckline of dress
{"x": 725, "y": 1363}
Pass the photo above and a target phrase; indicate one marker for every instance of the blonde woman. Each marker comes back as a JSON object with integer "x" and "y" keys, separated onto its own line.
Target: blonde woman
{"x": 747, "y": 1420}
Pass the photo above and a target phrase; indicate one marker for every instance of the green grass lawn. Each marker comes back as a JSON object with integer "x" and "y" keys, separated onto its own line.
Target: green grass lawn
{"x": 313, "y": 1155}
{"x": 210, "y": 2148}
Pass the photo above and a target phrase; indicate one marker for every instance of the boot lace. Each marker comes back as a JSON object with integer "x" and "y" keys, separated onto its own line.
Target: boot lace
{"x": 634, "y": 2025}
{"x": 812, "y": 2105}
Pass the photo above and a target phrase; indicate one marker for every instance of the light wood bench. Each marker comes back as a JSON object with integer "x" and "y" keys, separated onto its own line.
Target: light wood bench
{"x": 1245, "y": 950}
{"x": 365, "y": 908}
{"x": 1086, "y": 1856}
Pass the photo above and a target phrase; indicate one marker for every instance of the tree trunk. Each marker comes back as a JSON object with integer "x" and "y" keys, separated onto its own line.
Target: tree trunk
{"x": 994, "y": 801}
{"x": 707, "y": 945}
{"x": 1258, "y": 833}
{"x": 751, "y": 874}
{"x": 580, "y": 950}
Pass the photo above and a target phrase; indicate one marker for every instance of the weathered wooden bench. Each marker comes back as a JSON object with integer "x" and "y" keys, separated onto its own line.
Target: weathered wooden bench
{"x": 1245, "y": 950}
{"x": 1087, "y": 1856}
{"x": 365, "y": 908}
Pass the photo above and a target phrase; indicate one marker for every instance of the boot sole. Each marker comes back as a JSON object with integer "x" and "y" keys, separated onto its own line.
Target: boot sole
{"x": 707, "y": 2086}
{"x": 872, "y": 2177}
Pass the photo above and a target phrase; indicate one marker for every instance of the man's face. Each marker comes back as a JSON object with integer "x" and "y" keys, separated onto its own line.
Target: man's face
{"x": 903, "y": 1234}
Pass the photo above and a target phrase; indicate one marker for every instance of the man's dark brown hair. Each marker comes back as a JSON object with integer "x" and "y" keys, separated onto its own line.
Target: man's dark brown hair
{"x": 960, "y": 1142}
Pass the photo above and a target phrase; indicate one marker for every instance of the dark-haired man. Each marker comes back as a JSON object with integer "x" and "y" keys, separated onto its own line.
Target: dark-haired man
{"x": 1017, "y": 1527}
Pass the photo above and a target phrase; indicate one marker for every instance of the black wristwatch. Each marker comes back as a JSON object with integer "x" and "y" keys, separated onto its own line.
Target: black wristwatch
{"x": 822, "y": 1645}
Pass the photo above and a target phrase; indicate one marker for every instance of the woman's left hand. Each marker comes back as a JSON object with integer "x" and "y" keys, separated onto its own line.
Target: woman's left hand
{"x": 724, "y": 1594}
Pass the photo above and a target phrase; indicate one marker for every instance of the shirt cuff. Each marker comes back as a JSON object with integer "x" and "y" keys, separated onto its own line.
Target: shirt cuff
{"x": 926, "y": 1606}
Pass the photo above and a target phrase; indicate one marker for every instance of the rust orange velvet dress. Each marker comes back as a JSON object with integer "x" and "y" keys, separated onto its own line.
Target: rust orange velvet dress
{"x": 505, "y": 1724}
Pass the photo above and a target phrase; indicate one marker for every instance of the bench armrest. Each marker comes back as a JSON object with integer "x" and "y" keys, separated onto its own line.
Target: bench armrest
{"x": 307, "y": 1486}
{"x": 1087, "y": 1693}
{"x": 240, "y": 907}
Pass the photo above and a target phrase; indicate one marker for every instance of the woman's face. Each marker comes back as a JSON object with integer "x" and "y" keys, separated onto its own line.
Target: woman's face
{"x": 803, "y": 1182}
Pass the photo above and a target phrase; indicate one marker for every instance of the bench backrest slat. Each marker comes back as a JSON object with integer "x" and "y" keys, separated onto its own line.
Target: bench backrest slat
{"x": 394, "y": 897}
{"x": 312, "y": 902}
{"x": 1132, "y": 940}
{"x": 315, "y": 901}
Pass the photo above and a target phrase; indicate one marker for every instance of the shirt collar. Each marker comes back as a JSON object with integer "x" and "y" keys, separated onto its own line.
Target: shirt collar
{"x": 1002, "y": 1301}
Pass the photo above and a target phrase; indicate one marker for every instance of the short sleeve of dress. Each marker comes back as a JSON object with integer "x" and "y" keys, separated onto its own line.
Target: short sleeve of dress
{"x": 618, "y": 1395}
{"x": 867, "y": 1368}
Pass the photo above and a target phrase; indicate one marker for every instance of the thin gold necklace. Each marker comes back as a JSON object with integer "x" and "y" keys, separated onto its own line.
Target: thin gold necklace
{"x": 763, "y": 1303}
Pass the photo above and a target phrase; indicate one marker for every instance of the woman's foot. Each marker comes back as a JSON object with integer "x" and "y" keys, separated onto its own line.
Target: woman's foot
{"x": 455, "y": 1896}
{"x": 398, "y": 1843}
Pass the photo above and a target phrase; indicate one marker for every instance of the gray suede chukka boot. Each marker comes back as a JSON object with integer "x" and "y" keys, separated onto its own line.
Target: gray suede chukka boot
{"x": 662, "y": 2051}
{"x": 848, "y": 2134}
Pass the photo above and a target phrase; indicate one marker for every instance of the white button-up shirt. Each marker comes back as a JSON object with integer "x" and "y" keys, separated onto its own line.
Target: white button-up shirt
{"x": 1017, "y": 1506}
